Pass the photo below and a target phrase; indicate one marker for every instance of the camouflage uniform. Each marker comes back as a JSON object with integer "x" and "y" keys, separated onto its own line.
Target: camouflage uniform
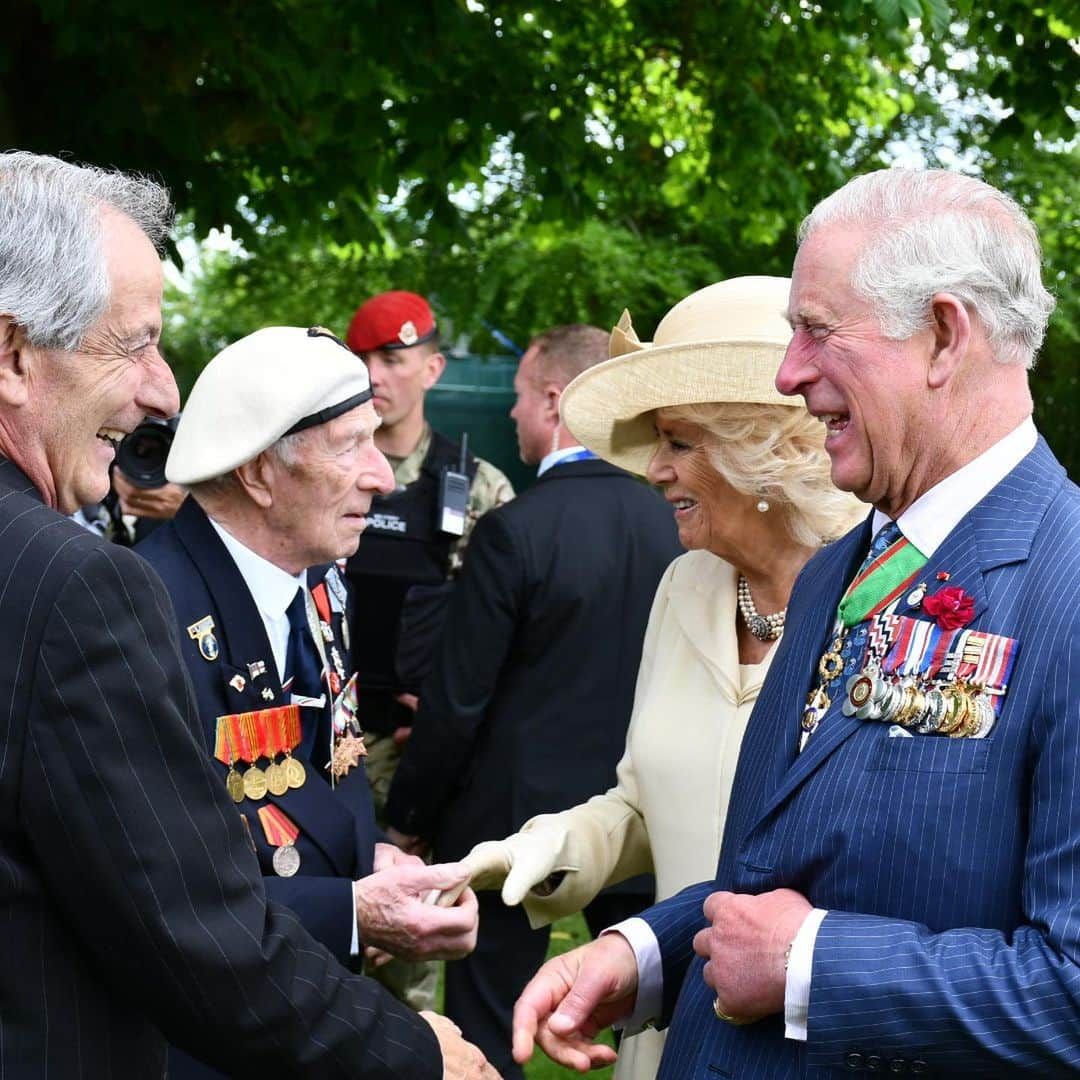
{"x": 415, "y": 982}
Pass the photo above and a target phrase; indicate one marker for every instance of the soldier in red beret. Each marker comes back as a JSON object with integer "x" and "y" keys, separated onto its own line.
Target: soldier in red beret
{"x": 405, "y": 556}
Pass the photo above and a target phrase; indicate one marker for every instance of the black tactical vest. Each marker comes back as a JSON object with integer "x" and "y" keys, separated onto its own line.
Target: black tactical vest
{"x": 402, "y": 553}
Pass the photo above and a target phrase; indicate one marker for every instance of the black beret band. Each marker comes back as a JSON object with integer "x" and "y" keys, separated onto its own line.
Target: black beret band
{"x": 329, "y": 413}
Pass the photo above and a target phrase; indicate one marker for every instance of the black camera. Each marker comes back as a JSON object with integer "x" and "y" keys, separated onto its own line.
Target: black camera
{"x": 141, "y": 455}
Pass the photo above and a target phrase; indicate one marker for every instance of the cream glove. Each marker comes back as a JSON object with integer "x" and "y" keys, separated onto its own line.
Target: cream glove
{"x": 523, "y": 862}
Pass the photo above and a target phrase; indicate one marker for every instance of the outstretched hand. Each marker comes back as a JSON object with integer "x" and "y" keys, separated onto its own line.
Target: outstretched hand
{"x": 572, "y": 998}
{"x": 522, "y": 861}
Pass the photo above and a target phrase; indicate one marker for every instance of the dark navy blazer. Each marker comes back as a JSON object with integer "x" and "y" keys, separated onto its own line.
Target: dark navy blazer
{"x": 950, "y": 867}
{"x": 337, "y": 826}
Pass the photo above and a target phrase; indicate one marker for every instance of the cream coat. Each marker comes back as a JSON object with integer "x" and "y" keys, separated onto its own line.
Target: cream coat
{"x": 666, "y": 812}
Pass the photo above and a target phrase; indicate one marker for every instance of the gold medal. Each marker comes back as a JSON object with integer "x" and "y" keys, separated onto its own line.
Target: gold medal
{"x": 954, "y": 710}
{"x": 831, "y": 665}
{"x": 234, "y": 782}
{"x": 234, "y": 785}
{"x": 255, "y": 783}
{"x": 911, "y": 706}
{"x": 277, "y": 781}
{"x": 295, "y": 773}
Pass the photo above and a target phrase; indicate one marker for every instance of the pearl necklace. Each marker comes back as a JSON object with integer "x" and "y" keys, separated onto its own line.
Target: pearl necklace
{"x": 763, "y": 627}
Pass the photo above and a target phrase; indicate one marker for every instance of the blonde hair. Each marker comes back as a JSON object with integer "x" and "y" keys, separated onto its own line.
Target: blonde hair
{"x": 776, "y": 452}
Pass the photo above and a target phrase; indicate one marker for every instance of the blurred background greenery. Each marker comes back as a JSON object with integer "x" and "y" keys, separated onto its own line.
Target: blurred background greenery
{"x": 531, "y": 163}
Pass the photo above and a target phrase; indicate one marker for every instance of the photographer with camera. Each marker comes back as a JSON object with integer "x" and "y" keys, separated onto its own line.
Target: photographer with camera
{"x": 138, "y": 477}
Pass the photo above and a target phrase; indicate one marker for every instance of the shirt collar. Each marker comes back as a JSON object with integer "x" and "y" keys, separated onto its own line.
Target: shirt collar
{"x": 271, "y": 588}
{"x": 932, "y": 516}
{"x": 555, "y": 457}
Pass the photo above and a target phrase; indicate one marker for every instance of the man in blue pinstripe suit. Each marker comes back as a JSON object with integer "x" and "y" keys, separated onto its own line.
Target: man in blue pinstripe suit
{"x": 898, "y": 887}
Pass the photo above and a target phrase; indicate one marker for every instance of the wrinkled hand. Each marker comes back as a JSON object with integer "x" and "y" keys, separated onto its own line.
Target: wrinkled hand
{"x": 571, "y": 998}
{"x": 160, "y": 502}
{"x": 461, "y": 1060}
{"x": 520, "y": 862}
{"x": 391, "y": 913}
{"x": 745, "y": 948}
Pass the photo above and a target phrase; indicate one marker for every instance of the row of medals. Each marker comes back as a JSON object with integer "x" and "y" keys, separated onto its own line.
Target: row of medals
{"x": 960, "y": 710}
{"x": 276, "y": 779}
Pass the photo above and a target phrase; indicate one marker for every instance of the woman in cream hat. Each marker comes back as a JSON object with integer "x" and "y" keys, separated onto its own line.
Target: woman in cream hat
{"x": 745, "y": 470}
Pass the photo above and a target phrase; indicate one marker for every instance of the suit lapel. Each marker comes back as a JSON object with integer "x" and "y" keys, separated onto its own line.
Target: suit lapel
{"x": 240, "y": 629}
{"x": 794, "y": 671}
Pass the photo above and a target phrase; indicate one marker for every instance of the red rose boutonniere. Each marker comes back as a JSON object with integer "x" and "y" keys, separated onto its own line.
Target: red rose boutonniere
{"x": 951, "y": 607}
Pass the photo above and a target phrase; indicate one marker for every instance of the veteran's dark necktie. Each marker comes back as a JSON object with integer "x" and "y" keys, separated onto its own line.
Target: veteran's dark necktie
{"x": 303, "y": 678}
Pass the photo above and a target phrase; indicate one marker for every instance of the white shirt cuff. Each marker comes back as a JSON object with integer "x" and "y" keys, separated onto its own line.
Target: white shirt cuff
{"x": 650, "y": 990}
{"x": 799, "y": 971}
{"x": 354, "y": 948}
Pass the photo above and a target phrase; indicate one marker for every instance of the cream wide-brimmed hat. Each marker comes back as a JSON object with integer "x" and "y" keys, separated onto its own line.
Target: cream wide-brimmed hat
{"x": 722, "y": 343}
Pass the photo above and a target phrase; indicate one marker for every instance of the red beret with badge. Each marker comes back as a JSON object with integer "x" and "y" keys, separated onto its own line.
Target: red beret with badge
{"x": 391, "y": 320}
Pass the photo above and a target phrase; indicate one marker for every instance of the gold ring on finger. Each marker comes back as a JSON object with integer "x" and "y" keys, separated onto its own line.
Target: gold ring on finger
{"x": 721, "y": 1015}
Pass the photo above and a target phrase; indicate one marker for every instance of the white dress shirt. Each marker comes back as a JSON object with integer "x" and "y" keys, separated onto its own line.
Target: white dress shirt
{"x": 272, "y": 589}
{"x": 926, "y": 524}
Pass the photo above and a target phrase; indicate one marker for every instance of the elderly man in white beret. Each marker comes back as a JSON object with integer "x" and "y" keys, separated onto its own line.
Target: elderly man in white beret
{"x": 275, "y": 446}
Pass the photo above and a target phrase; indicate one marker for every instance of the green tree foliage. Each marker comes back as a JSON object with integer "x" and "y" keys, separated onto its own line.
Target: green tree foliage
{"x": 531, "y": 163}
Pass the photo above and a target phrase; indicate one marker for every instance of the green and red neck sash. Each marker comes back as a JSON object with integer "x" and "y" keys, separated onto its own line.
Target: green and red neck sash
{"x": 880, "y": 582}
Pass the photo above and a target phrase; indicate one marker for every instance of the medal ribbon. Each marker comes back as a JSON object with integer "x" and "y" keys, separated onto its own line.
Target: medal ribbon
{"x": 322, "y": 601}
{"x": 251, "y": 735}
{"x": 881, "y": 582}
{"x": 277, "y": 826}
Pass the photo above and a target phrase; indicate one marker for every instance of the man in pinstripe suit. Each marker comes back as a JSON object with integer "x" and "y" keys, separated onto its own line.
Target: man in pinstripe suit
{"x": 134, "y": 909}
{"x": 896, "y": 896}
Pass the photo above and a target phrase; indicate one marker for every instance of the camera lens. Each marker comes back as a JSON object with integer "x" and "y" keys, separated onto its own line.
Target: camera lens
{"x": 142, "y": 454}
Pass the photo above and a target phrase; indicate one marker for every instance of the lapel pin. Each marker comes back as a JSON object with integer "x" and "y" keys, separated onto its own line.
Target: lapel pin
{"x": 238, "y": 682}
{"x": 202, "y": 632}
{"x": 915, "y": 597}
{"x": 256, "y": 668}
{"x": 267, "y": 694}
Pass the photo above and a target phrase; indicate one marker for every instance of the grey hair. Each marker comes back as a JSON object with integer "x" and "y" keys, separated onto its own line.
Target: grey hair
{"x": 53, "y": 278}
{"x": 938, "y": 231}
{"x": 286, "y": 449}
{"x": 776, "y": 452}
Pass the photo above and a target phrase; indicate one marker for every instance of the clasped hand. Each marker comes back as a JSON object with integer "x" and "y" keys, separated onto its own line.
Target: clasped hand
{"x": 392, "y": 914}
{"x": 745, "y": 949}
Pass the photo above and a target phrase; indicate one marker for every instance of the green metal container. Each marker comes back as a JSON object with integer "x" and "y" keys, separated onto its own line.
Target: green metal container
{"x": 476, "y": 394}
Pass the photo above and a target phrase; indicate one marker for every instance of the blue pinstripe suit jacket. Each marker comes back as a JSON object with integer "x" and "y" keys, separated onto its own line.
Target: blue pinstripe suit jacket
{"x": 950, "y": 867}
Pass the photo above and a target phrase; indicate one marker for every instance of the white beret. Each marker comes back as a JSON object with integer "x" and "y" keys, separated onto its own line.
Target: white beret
{"x": 271, "y": 383}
